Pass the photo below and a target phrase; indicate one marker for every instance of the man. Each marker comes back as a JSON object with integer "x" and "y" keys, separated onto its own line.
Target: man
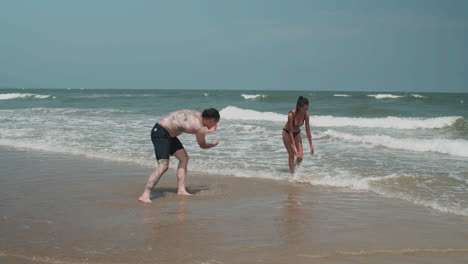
{"x": 166, "y": 144}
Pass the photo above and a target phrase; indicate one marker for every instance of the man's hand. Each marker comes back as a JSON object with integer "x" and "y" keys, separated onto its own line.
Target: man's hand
{"x": 213, "y": 128}
{"x": 215, "y": 142}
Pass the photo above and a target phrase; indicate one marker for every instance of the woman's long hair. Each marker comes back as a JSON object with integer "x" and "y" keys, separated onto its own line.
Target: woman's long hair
{"x": 300, "y": 102}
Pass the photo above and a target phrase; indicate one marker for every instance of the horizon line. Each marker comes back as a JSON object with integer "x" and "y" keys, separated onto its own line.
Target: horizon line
{"x": 211, "y": 89}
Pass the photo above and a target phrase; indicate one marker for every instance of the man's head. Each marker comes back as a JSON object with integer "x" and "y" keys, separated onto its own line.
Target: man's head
{"x": 210, "y": 117}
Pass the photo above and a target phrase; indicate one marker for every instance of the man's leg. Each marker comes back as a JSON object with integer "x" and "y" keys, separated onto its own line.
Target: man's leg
{"x": 183, "y": 158}
{"x": 163, "y": 165}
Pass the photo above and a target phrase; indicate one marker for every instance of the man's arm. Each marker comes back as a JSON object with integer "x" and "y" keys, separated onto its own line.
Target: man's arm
{"x": 201, "y": 133}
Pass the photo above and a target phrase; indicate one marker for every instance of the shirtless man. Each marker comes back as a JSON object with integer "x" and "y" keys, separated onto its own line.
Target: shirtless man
{"x": 165, "y": 141}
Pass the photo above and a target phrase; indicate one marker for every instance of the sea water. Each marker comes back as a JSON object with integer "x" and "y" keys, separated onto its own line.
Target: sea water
{"x": 411, "y": 146}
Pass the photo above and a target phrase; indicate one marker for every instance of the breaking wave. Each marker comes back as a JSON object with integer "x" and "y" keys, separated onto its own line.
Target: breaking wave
{"x": 453, "y": 147}
{"x": 385, "y": 96}
{"x": 253, "y": 96}
{"x": 9, "y": 96}
{"x": 236, "y": 113}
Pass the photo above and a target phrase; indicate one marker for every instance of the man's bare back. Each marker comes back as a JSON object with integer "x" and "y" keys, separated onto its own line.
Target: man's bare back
{"x": 182, "y": 121}
{"x": 164, "y": 137}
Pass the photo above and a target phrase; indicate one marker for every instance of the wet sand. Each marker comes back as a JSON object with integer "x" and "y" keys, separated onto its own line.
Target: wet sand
{"x": 69, "y": 209}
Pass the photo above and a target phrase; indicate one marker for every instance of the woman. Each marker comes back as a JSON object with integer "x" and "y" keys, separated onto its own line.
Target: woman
{"x": 292, "y": 133}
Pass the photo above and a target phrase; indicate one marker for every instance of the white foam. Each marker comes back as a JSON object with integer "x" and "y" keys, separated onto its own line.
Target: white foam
{"x": 8, "y": 96}
{"x": 337, "y": 180}
{"x": 385, "y": 122}
{"x": 345, "y": 179}
{"x": 246, "y": 129}
{"x": 236, "y": 113}
{"x": 385, "y": 96}
{"x": 418, "y": 96}
{"x": 253, "y": 96}
{"x": 453, "y": 147}
{"x": 439, "y": 206}
{"x": 342, "y": 95}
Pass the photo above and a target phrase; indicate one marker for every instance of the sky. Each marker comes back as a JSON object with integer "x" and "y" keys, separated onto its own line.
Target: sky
{"x": 347, "y": 45}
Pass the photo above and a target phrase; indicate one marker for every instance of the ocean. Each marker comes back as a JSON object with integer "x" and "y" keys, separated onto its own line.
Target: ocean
{"x": 410, "y": 146}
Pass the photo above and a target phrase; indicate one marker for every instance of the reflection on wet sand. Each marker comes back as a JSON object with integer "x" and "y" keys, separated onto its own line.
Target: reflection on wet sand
{"x": 181, "y": 211}
{"x": 293, "y": 216}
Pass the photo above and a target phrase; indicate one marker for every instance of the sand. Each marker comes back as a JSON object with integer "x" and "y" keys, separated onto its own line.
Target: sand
{"x": 69, "y": 209}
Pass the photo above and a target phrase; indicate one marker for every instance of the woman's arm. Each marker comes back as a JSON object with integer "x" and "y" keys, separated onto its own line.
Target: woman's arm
{"x": 309, "y": 134}
{"x": 291, "y": 131}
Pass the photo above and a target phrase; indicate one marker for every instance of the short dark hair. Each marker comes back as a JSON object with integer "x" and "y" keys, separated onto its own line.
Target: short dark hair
{"x": 211, "y": 113}
{"x": 301, "y": 101}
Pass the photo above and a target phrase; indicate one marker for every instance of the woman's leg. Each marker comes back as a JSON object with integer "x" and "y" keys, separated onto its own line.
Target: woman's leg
{"x": 287, "y": 143}
{"x": 300, "y": 149}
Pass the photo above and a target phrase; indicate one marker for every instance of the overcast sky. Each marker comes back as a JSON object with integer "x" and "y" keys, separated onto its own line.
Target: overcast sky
{"x": 276, "y": 45}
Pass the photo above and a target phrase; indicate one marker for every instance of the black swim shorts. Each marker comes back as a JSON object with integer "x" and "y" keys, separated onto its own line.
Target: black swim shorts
{"x": 164, "y": 144}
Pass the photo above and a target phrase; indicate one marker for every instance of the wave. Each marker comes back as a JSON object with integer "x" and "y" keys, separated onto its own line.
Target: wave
{"x": 9, "y": 96}
{"x": 453, "y": 147}
{"x": 343, "y": 179}
{"x": 253, "y": 96}
{"x": 342, "y": 95}
{"x": 99, "y": 96}
{"x": 385, "y": 122}
{"x": 418, "y": 96}
{"x": 385, "y": 96}
{"x": 84, "y": 111}
{"x": 236, "y": 113}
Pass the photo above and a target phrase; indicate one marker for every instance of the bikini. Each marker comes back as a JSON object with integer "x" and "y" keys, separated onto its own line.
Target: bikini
{"x": 295, "y": 133}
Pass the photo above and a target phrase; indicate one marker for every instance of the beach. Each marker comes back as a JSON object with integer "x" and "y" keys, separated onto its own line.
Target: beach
{"x": 399, "y": 145}
{"x": 317, "y": 132}
{"x": 59, "y": 208}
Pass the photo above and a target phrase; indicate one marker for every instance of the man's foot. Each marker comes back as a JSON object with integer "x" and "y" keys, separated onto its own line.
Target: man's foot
{"x": 183, "y": 192}
{"x": 144, "y": 199}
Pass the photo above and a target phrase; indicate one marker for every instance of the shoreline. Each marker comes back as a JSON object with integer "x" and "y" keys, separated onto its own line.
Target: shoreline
{"x": 77, "y": 210}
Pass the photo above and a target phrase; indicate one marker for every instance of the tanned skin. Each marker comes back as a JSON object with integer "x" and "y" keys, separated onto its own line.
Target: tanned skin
{"x": 294, "y": 145}
{"x": 176, "y": 123}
